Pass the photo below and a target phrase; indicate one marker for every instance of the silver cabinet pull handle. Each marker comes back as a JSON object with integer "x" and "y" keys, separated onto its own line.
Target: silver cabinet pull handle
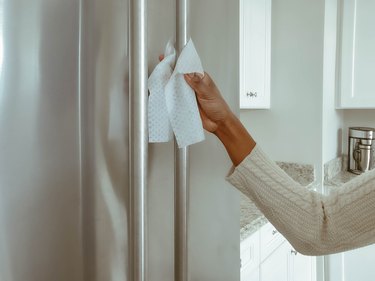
{"x": 251, "y": 94}
{"x": 274, "y": 232}
{"x": 293, "y": 252}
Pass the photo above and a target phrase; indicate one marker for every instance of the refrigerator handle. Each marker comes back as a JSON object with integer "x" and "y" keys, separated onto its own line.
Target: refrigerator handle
{"x": 181, "y": 164}
{"x": 138, "y": 139}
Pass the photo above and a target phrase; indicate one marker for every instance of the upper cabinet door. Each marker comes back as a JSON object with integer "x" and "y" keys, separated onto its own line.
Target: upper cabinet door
{"x": 357, "y": 69}
{"x": 255, "y": 51}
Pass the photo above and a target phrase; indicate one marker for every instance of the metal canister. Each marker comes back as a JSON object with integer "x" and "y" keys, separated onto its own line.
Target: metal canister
{"x": 361, "y": 156}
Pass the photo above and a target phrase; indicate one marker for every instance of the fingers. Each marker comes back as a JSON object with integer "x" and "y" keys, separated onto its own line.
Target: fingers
{"x": 161, "y": 57}
{"x": 198, "y": 82}
{"x": 195, "y": 77}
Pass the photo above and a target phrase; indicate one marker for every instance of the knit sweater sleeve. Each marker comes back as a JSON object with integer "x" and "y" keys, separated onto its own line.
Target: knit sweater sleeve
{"x": 313, "y": 223}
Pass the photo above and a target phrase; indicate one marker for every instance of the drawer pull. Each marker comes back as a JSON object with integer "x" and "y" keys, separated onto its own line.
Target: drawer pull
{"x": 274, "y": 232}
{"x": 252, "y": 94}
{"x": 293, "y": 252}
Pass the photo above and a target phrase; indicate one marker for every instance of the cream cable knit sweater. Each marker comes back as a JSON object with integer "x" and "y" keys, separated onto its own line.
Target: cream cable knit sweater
{"x": 313, "y": 223}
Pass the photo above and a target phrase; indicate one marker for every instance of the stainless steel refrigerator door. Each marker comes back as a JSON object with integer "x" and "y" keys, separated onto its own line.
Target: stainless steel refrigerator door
{"x": 40, "y": 194}
{"x": 63, "y": 140}
{"x": 104, "y": 109}
{"x": 63, "y": 144}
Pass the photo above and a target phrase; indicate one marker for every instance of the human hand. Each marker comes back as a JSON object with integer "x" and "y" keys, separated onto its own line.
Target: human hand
{"x": 218, "y": 119}
{"x": 213, "y": 109}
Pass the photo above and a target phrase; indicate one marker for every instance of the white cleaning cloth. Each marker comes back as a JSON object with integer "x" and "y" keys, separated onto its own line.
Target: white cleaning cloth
{"x": 172, "y": 103}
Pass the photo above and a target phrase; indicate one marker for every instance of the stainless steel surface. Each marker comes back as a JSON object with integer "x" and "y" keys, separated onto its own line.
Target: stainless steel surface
{"x": 352, "y": 165}
{"x": 361, "y": 149}
{"x": 182, "y": 23}
{"x": 138, "y": 138}
{"x": 105, "y": 116}
{"x": 40, "y": 191}
{"x": 181, "y": 164}
{"x": 64, "y": 145}
{"x": 181, "y": 213}
{"x": 364, "y": 155}
{"x": 362, "y": 133}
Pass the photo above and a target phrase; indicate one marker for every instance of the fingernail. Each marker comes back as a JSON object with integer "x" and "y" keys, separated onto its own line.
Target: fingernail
{"x": 200, "y": 75}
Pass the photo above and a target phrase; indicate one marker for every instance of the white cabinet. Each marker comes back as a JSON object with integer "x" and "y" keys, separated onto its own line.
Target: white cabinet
{"x": 270, "y": 240}
{"x": 356, "y": 83}
{"x": 301, "y": 268}
{"x": 285, "y": 264}
{"x": 250, "y": 275}
{"x": 275, "y": 267}
{"x": 255, "y": 53}
{"x": 359, "y": 264}
{"x": 250, "y": 252}
{"x": 353, "y": 265}
{"x": 267, "y": 256}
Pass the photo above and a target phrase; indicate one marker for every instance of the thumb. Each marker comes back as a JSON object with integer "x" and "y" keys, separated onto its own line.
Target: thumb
{"x": 198, "y": 82}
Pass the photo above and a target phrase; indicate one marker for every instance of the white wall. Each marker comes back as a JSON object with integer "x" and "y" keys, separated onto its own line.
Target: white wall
{"x": 332, "y": 118}
{"x": 292, "y": 129}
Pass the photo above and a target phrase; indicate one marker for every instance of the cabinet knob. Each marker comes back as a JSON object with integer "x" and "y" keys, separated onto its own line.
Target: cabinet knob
{"x": 251, "y": 94}
{"x": 293, "y": 252}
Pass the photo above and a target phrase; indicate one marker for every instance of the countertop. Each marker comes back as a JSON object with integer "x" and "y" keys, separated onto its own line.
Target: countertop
{"x": 339, "y": 179}
{"x": 336, "y": 174}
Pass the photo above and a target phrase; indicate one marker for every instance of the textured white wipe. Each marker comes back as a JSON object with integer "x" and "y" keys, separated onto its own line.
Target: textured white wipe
{"x": 159, "y": 126}
{"x": 172, "y": 104}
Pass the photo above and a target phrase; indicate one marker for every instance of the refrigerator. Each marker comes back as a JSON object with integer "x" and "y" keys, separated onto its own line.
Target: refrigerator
{"x": 65, "y": 149}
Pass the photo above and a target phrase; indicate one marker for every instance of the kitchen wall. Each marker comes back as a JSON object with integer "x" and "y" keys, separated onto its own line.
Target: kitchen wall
{"x": 332, "y": 118}
{"x": 292, "y": 129}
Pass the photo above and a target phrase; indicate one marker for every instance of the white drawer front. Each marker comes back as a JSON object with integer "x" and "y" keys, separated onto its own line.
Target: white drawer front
{"x": 250, "y": 252}
{"x": 270, "y": 239}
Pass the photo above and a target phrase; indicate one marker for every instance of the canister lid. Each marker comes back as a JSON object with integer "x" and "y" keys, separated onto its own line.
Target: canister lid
{"x": 362, "y": 132}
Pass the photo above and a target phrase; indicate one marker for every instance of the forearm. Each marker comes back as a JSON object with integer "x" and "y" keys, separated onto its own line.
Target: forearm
{"x": 235, "y": 138}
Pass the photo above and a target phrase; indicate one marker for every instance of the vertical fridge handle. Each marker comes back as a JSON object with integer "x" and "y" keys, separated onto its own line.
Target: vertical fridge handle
{"x": 181, "y": 164}
{"x": 138, "y": 139}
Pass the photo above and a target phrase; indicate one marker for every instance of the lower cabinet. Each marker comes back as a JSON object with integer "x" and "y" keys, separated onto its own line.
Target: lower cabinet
{"x": 301, "y": 268}
{"x": 282, "y": 262}
{"x": 352, "y": 265}
{"x": 275, "y": 267}
{"x": 250, "y": 275}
